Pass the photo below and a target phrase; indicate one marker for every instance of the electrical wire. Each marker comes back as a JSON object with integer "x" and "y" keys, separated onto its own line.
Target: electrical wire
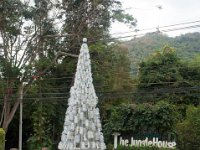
{"x": 107, "y": 95}
{"x": 112, "y": 39}
{"x": 160, "y": 27}
{"x": 166, "y": 30}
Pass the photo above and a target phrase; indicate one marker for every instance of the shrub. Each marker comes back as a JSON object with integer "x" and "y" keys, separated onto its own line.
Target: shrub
{"x": 188, "y": 130}
{"x": 2, "y": 139}
{"x": 35, "y": 143}
{"x": 110, "y": 147}
{"x": 140, "y": 118}
{"x": 41, "y": 128}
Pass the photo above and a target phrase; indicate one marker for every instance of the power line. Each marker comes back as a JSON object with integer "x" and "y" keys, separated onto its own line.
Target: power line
{"x": 167, "y": 30}
{"x": 166, "y": 26}
{"x": 69, "y": 79}
{"x": 146, "y": 29}
{"x": 111, "y": 94}
{"x": 181, "y": 28}
{"x": 133, "y": 36}
{"x": 148, "y": 84}
{"x": 130, "y": 36}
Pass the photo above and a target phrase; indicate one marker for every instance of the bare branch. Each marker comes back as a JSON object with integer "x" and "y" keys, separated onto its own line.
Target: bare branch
{"x": 67, "y": 54}
{"x": 40, "y": 73}
{"x": 25, "y": 51}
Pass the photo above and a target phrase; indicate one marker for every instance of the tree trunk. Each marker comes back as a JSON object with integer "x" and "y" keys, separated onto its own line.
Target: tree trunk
{"x": 10, "y": 112}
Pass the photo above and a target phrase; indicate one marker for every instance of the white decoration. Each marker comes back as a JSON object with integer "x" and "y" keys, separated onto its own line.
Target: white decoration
{"x": 83, "y": 145}
{"x": 72, "y": 127}
{"x": 77, "y": 138}
{"x": 76, "y": 119}
{"x": 93, "y": 126}
{"x": 85, "y": 138}
{"x": 82, "y": 116}
{"x": 77, "y": 130}
{"x": 90, "y": 135}
{"x": 86, "y": 123}
{"x": 97, "y": 136}
{"x": 71, "y": 117}
{"x": 81, "y": 130}
{"x": 82, "y": 126}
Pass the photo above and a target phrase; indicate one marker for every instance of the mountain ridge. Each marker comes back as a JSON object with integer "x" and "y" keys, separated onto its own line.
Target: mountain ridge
{"x": 187, "y": 46}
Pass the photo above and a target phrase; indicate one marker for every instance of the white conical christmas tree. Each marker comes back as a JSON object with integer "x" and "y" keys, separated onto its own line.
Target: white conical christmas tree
{"x": 82, "y": 127}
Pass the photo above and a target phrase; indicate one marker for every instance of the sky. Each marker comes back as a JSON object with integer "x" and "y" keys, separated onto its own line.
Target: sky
{"x": 149, "y": 16}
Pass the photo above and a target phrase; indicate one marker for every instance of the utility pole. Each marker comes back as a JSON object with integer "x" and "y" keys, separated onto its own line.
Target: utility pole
{"x": 20, "y": 116}
{"x": 159, "y": 7}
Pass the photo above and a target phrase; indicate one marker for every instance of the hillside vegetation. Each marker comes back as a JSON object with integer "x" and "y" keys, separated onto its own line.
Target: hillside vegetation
{"x": 186, "y": 46}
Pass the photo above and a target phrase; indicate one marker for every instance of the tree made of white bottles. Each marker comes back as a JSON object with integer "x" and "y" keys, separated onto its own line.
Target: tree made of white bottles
{"x": 82, "y": 126}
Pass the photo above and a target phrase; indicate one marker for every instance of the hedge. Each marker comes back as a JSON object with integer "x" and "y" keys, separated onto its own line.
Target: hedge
{"x": 2, "y": 139}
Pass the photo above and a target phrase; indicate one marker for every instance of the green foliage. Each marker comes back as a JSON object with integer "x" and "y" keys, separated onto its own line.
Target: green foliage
{"x": 34, "y": 145}
{"x": 190, "y": 72}
{"x": 101, "y": 13}
{"x": 114, "y": 61}
{"x": 165, "y": 76}
{"x": 123, "y": 17}
{"x": 110, "y": 147}
{"x": 159, "y": 118}
{"x": 160, "y": 71}
{"x": 188, "y": 130}
{"x": 140, "y": 48}
{"x": 42, "y": 64}
{"x": 160, "y": 67}
{"x": 7, "y": 69}
{"x": 2, "y": 139}
{"x": 41, "y": 128}
{"x": 187, "y": 46}
{"x": 11, "y": 20}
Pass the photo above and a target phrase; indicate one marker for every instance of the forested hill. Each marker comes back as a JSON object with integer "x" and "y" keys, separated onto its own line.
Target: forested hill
{"x": 186, "y": 46}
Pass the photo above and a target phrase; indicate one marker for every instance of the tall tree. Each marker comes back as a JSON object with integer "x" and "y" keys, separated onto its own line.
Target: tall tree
{"x": 23, "y": 48}
{"x": 91, "y": 19}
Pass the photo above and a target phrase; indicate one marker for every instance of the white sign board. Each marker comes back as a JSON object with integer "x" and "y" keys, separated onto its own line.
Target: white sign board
{"x": 146, "y": 142}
